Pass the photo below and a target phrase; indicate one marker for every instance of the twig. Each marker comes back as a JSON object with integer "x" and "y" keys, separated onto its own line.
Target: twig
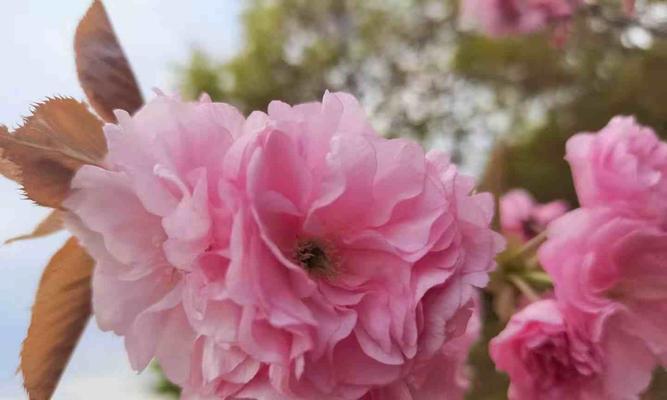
{"x": 530, "y": 246}
{"x": 524, "y": 288}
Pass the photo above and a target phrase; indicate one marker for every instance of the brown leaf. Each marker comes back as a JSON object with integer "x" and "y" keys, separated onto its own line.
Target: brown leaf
{"x": 60, "y": 312}
{"x": 104, "y": 72}
{"x": 51, "y": 224}
{"x": 7, "y": 168}
{"x": 59, "y": 137}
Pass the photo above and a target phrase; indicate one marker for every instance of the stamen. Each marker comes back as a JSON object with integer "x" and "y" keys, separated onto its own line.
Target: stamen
{"x": 315, "y": 256}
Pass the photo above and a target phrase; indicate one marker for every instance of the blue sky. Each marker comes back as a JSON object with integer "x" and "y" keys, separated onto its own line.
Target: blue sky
{"x": 37, "y": 61}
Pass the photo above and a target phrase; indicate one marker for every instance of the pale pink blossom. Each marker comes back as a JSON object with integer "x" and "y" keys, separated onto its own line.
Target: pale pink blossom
{"x": 523, "y": 218}
{"x": 289, "y": 255}
{"x": 629, "y": 7}
{"x": 624, "y": 166}
{"x": 608, "y": 257}
{"x": 512, "y": 17}
{"x": 446, "y": 376}
{"x": 548, "y": 358}
{"x": 605, "y": 263}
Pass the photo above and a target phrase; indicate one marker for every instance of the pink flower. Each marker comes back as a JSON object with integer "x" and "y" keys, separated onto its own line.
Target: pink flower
{"x": 444, "y": 376}
{"x": 629, "y": 7}
{"x": 511, "y": 17}
{"x": 546, "y": 357}
{"x": 294, "y": 255}
{"x": 522, "y": 218}
{"x": 605, "y": 263}
{"x": 607, "y": 259}
{"x": 623, "y": 166}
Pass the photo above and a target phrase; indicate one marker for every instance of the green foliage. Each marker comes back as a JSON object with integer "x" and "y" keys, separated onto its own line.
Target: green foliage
{"x": 260, "y": 72}
{"x": 528, "y": 62}
{"x": 163, "y": 386}
{"x": 580, "y": 87}
{"x": 203, "y": 76}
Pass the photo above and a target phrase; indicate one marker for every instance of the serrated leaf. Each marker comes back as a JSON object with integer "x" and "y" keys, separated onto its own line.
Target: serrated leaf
{"x": 7, "y": 168}
{"x": 104, "y": 72}
{"x": 59, "y": 315}
{"x": 59, "y": 137}
{"x": 51, "y": 224}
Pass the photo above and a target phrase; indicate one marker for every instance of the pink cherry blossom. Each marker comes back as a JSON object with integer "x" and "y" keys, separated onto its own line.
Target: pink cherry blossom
{"x": 605, "y": 263}
{"x": 624, "y": 166}
{"x": 522, "y": 218}
{"x": 511, "y": 17}
{"x": 289, "y": 255}
{"x": 444, "y": 376}
{"x": 547, "y": 357}
{"x": 629, "y": 7}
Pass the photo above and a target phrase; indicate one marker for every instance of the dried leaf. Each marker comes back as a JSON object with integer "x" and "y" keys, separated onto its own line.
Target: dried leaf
{"x": 60, "y": 312}
{"x": 104, "y": 72}
{"x": 53, "y": 143}
{"x": 51, "y": 224}
{"x": 7, "y": 168}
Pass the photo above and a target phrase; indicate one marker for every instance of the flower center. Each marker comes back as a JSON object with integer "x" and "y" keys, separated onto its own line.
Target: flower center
{"x": 315, "y": 256}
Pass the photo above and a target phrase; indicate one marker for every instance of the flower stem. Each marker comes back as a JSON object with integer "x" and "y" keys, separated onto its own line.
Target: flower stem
{"x": 524, "y": 288}
{"x": 530, "y": 246}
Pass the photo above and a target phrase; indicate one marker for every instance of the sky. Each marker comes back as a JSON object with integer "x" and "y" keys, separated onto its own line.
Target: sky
{"x": 37, "y": 61}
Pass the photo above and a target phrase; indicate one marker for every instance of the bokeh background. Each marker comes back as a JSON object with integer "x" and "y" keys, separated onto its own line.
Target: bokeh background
{"x": 503, "y": 108}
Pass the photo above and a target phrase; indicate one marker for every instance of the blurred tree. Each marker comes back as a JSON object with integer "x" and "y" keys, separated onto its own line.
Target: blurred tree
{"x": 393, "y": 55}
{"x": 417, "y": 74}
{"x": 601, "y": 72}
